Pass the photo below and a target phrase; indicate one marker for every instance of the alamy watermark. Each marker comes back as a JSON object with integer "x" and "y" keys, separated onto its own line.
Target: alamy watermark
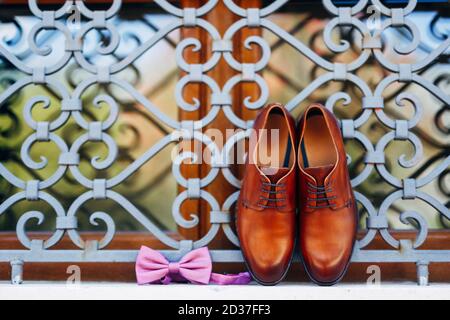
{"x": 74, "y": 17}
{"x": 374, "y": 272}
{"x": 206, "y": 147}
{"x": 374, "y": 17}
{"x": 74, "y": 272}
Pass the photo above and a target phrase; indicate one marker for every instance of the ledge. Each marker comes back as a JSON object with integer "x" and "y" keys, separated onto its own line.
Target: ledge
{"x": 124, "y": 271}
{"x": 284, "y": 291}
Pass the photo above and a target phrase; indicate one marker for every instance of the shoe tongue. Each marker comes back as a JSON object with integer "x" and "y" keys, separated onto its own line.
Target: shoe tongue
{"x": 274, "y": 174}
{"x": 319, "y": 173}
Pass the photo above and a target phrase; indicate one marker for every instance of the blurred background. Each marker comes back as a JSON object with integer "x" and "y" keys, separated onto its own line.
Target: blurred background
{"x": 152, "y": 189}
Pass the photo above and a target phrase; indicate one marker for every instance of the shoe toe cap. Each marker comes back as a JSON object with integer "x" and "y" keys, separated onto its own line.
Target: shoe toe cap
{"x": 269, "y": 266}
{"x": 326, "y": 268}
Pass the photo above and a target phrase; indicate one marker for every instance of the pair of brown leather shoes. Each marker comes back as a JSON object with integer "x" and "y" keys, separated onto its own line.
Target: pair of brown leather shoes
{"x": 286, "y": 170}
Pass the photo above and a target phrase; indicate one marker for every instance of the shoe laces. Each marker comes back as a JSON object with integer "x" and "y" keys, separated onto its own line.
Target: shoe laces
{"x": 320, "y": 193}
{"x": 272, "y": 202}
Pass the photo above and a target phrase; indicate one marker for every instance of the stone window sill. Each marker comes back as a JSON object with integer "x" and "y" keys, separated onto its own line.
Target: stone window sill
{"x": 106, "y": 290}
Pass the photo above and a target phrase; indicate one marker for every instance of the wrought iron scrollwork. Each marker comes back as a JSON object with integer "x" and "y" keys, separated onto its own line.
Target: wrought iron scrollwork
{"x": 371, "y": 49}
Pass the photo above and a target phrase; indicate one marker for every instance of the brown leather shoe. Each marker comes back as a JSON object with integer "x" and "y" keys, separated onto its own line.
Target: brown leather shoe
{"x": 266, "y": 206}
{"x": 328, "y": 213}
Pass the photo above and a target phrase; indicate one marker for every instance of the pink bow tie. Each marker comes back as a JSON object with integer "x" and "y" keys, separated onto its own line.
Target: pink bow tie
{"x": 195, "y": 267}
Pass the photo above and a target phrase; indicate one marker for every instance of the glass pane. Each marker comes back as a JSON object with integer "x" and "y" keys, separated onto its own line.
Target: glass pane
{"x": 152, "y": 188}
